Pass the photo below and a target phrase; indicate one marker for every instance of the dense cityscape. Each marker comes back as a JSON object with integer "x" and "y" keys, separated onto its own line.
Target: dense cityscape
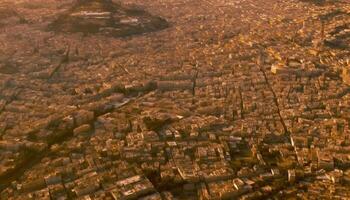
{"x": 174, "y": 99}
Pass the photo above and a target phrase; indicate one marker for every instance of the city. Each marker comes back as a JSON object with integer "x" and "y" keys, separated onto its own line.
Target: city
{"x": 174, "y": 99}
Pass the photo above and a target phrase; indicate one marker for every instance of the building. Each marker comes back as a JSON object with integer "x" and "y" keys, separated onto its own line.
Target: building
{"x": 132, "y": 188}
{"x": 346, "y": 75}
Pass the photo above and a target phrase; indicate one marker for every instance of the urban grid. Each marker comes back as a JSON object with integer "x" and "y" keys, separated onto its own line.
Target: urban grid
{"x": 174, "y": 99}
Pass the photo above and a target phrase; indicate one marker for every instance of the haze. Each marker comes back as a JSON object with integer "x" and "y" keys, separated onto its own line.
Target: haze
{"x": 174, "y": 99}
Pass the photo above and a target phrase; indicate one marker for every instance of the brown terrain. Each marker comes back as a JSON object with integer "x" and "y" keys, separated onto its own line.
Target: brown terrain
{"x": 174, "y": 99}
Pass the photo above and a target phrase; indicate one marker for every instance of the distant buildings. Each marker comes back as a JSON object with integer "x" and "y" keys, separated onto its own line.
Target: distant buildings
{"x": 346, "y": 75}
{"x": 184, "y": 113}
